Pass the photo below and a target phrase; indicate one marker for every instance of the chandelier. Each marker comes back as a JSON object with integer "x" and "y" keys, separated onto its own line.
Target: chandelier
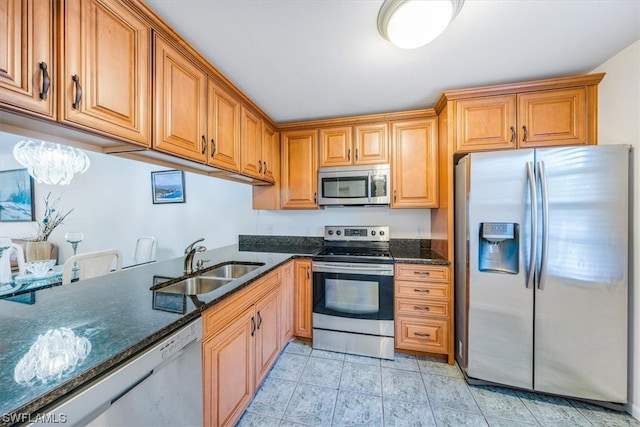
{"x": 413, "y": 23}
{"x": 51, "y": 163}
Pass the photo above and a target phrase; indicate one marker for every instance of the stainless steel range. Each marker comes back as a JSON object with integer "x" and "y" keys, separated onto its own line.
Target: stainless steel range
{"x": 353, "y": 292}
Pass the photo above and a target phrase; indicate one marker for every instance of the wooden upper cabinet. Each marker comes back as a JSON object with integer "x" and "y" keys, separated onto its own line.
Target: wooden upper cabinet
{"x": 335, "y": 147}
{"x": 251, "y": 132}
{"x": 542, "y": 113}
{"x": 270, "y": 153}
{"x": 27, "y": 59}
{"x": 414, "y": 163}
{"x": 299, "y": 169}
{"x": 180, "y": 104}
{"x": 106, "y": 77}
{"x": 486, "y": 123}
{"x": 555, "y": 117}
{"x": 365, "y": 144}
{"x": 223, "y": 129}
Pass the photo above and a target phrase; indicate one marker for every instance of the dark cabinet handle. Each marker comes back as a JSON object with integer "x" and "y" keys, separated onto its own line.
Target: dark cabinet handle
{"x": 526, "y": 135}
{"x": 356, "y": 154}
{"x": 308, "y": 273}
{"x": 421, "y": 335}
{"x": 259, "y": 320}
{"x": 417, "y": 307}
{"x": 395, "y": 196}
{"x": 78, "y": 98}
{"x": 259, "y": 166}
{"x": 421, "y": 291}
{"x": 265, "y": 167}
{"x": 422, "y": 273}
{"x": 315, "y": 198}
{"x": 253, "y": 325}
{"x": 46, "y": 81}
{"x": 204, "y": 144}
{"x": 213, "y": 147}
{"x": 513, "y": 134}
{"x": 349, "y": 154}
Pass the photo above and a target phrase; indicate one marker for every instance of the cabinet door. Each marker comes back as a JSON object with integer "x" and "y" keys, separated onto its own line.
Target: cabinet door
{"x": 299, "y": 170}
{"x": 224, "y": 129}
{"x": 267, "y": 333}
{"x": 486, "y": 124}
{"x": 303, "y": 298}
{"x": 555, "y": 117}
{"x": 26, "y": 47}
{"x": 270, "y": 152}
{"x": 180, "y": 107}
{"x": 335, "y": 147}
{"x": 286, "y": 304}
{"x": 229, "y": 371}
{"x": 107, "y": 73}
{"x": 251, "y": 133}
{"x": 371, "y": 144}
{"x": 414, "y": 164}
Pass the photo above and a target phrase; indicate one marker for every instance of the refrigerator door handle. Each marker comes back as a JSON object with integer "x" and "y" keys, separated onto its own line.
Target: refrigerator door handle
{"x": 531, "y": 178}
{"x": 542, "y": 274}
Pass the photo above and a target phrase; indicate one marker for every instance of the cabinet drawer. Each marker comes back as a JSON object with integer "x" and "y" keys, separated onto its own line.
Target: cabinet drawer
{"x": 422, "y": 290}
{"x": 424, "y": 273}
{"x": 422, "y": 334}
{"x": 412, "y": 307}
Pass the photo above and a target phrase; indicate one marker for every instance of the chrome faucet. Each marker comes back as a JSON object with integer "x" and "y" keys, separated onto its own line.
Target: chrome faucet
{"x": 190, "y": 252}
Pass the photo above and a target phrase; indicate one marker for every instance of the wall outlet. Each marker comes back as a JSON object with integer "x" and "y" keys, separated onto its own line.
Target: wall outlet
{"x": 419, "y": 231}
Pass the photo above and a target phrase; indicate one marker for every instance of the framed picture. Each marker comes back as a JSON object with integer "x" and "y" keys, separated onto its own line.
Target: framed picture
{"x": 16, "y": 196}
{"x": 168, "y": 186}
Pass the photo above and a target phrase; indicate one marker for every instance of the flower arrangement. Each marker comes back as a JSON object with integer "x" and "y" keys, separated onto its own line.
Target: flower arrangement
{"x": 51, "y": 219}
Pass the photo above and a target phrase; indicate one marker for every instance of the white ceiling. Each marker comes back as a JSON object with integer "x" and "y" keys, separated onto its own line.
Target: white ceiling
{"x": 311, "y": 59}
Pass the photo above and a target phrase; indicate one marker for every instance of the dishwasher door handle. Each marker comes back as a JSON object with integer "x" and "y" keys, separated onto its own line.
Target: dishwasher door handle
{"x": 131, "y": 387}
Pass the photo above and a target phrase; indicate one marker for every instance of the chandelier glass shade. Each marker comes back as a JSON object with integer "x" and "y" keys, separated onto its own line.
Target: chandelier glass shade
{"x": 410, "y": 24}
{"x": 51, "y": 163}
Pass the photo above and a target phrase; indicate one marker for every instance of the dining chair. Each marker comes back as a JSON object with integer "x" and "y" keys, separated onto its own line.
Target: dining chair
{"x": 145, "y": 250}
{"x": 92, "y": 264}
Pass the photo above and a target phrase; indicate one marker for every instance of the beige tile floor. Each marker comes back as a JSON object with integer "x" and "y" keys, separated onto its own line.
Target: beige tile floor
{"x": 319, "y": 388}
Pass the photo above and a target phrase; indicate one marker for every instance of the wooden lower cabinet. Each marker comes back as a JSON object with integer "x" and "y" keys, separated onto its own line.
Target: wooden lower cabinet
{"x": 424, "y": 309}
{"x": 303, "y": 299}
{"x": 242, "y": 340}
{"x": 287, "y": 289}
{"x": 229, "y": 371}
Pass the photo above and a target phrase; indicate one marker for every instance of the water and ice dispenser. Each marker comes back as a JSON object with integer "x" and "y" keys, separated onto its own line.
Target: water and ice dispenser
{"x": 499, "y": 242}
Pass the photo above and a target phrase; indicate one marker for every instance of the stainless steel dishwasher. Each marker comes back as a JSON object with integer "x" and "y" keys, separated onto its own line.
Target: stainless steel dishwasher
{"x": 161, "y": 387}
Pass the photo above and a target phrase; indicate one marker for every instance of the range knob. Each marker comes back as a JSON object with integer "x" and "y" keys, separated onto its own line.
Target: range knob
{"x": 373, "y": 232}
{"x": 338, "y": 232}
{"x": 381, "y": 233}
{"x": 330, "y": 232}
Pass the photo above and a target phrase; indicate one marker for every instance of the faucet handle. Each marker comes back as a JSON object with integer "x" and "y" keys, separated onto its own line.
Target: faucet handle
{"x": 200, "y": 263}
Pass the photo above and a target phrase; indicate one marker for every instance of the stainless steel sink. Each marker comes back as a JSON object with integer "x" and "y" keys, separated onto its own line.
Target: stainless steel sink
{"x": 195, "y": 285}
{"x": 231, "y": 270}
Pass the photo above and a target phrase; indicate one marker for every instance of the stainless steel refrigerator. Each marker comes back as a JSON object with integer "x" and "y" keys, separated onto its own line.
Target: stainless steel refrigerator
{"x": 542, "y": 269}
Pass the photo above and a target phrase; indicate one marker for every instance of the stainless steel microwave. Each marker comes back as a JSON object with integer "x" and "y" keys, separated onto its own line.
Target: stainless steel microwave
{"x": 354, "y": 185}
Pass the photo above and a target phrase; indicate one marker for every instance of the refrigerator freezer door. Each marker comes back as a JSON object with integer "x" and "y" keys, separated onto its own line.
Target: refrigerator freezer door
{"x": 581, "y": 311}
{"x": 500, "y": 310}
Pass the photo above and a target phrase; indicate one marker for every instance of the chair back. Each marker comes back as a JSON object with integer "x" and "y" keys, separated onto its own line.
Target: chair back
{"x": 5, "y": 262}
{"x": 92, "y": 264}
{"x": 145, "y": 250}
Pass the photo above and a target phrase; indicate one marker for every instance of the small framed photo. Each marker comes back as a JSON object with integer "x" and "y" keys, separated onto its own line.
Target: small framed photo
{"x": 168, "y": 186}
{"x": 16, "y": 196}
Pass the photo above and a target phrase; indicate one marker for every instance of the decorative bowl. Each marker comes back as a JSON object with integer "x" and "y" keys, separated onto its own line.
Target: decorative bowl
{"x": 39, "y": 268}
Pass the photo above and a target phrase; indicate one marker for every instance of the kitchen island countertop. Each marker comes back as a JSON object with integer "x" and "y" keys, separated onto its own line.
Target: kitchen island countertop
{"x": 114, "y": 313}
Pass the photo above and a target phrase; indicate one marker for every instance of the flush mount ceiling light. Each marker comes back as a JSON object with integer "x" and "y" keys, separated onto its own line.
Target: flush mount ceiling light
{"x": 51, "y": 163}
{"x": 413, "y": 23}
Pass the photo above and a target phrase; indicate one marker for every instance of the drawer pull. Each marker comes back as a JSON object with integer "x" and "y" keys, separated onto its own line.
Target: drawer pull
{"x": 422, "y": 273}
{"x": 421, "y": 334}
{"x": 417, "y": 307}
{"x": 422, "y": 291}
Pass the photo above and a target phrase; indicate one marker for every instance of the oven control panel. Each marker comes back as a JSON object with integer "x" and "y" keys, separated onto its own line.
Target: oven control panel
{"x": 362, "y": 233}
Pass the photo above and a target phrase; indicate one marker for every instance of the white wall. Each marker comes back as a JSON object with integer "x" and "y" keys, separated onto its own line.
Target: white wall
{"x": 112, "y": 206}
{"x": 619, "y": 123}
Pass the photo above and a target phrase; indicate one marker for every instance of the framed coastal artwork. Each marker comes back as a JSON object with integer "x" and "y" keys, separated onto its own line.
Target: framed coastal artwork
{"x": 16, "y": 196}
{"x": 167, "y": 186}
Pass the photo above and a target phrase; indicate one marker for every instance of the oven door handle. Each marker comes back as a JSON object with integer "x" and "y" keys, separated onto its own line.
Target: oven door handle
{"x": 341, "y": 268}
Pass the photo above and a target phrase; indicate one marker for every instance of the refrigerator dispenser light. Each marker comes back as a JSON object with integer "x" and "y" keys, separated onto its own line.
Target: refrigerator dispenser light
{"x": 498, "y": 252}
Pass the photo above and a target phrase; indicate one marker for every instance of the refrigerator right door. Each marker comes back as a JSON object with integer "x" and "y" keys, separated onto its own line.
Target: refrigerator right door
{"x": 581, "y": 284}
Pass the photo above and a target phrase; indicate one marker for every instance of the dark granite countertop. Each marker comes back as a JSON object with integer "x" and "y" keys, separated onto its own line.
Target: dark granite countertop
{"x": 114, "y": 312}
{"x": 415, "y": 251}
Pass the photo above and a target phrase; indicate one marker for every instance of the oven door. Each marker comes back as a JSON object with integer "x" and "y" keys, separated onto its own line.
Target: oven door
{"x": 352, "y": 290}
